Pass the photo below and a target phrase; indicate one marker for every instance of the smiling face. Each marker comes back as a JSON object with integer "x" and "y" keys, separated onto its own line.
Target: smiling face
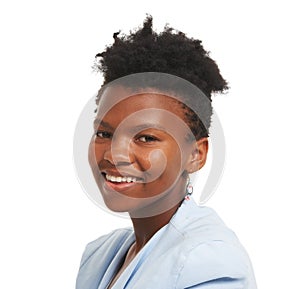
{"x": 140, "y": 154}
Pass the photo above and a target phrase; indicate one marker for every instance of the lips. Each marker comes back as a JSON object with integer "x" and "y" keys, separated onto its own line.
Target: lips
{"x": 123, "y": 179}
{"x": 118, "y": 176}
{"x": 120, "y": 183}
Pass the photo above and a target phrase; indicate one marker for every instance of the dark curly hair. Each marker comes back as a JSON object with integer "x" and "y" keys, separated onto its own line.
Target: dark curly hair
{"x": 169, "y": 52}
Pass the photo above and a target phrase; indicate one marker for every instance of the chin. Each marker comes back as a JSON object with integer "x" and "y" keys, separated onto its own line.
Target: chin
{"x": 119, "y": 203}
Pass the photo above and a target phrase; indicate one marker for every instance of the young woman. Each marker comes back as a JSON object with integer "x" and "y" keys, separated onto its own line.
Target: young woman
{"x": 151, "y": 132}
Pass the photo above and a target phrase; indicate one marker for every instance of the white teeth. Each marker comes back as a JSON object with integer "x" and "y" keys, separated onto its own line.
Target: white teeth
{"x": 121, "y": 179}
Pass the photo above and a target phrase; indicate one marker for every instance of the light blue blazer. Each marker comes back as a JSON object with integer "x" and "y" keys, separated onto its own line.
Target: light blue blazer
{"x": 195, "y": 250}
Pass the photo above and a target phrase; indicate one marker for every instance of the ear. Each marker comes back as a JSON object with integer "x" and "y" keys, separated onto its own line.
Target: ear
{"x": 198, "y": 155}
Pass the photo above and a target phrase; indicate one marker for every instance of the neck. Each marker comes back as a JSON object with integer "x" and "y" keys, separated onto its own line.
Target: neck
{"x": 145, "y": 228}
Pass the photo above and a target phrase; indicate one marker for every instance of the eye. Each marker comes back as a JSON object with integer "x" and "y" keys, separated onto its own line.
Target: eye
{"x": 103, "y": 134}
{"x": 147, "y": 138}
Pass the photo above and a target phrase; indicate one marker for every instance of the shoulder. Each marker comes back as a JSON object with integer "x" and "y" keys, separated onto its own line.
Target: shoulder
{"x": 209, "y": 249}
{"x": 214, "y": 260}
{"x": 114, "y": 238}
{"x": 201, "y": 224}
{"x": 98, "y": 256}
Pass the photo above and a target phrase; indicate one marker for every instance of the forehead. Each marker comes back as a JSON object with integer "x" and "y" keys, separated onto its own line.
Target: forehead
{"x": 123, "y": 101}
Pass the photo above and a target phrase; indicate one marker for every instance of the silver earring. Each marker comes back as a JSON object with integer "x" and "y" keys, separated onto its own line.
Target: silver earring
{"x": 189, "y": 189}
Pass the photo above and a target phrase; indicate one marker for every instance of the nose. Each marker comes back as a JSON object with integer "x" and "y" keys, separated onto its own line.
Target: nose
{"x": 119, "y": 152}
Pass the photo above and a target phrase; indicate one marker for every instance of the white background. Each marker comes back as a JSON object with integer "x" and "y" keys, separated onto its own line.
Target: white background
{"x": 47, "y": 49}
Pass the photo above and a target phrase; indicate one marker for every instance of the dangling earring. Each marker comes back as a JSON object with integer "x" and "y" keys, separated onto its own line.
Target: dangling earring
{"x": 189, "y": 189}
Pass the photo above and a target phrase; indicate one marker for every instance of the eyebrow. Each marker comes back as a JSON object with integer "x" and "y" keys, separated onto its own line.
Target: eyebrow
{"x": 99, "y": 122}
{"x": 148, "y": 125}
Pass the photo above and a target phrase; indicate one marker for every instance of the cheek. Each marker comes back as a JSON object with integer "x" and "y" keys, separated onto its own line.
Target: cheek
{"x": 91, "y": 152}
{"x": 175, "y": 165}
{"x": 158, "y": 162}
{"x": 95, "y": 153}
{"x": 142, "y": 159}
{"x": 174, "y": 161}
{"x": 152, "y": 162}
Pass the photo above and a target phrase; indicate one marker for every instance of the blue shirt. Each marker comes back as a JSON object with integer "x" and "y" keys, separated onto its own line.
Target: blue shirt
{"x": 194, "y": 250}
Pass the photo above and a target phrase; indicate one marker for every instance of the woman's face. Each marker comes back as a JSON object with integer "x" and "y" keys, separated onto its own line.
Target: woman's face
{"x": 139, "y": 153}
